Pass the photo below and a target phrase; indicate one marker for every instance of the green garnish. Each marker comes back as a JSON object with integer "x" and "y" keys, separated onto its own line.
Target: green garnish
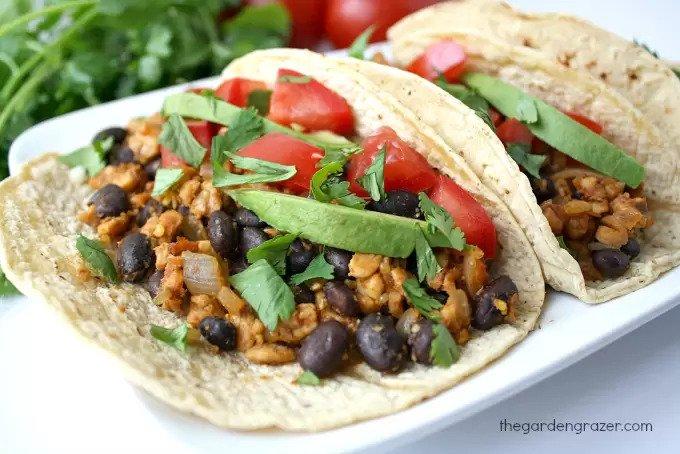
{"x": 318, "y": 268}
{"x": 260, "y": 100}
{"x": 418, "y": 298}
{"x": 176, "y": 136}
{"x": 308, "y": 378}
{"x": 174, "y": 337}
{"x": 91, "y": 157}
{"x": 97, "y": 259}
{"x": 293, "y": 79}
{"x": 428, "y": 267}
{"x": 6, "y": 287}
{"x": 438, "y": 219}
{"x": 444, "y": 351}
{"x": 165, "y": 179}
{"x": 561, "y": 132}
{"x": 274, "y": 251}
{"x": 676, "y": 71}
{"x": 327, "y": 186}
{"x": 358, "y": 47}
{"x": 563, "y": 244}
{"x": 373, "y": 180}
{"x": 468, "y": 97}
{"x": 526, "y": 111}
{"x": 246, "y": 127}
{"x": 651, "y": 51}
{"x": 264, "y": 290}
{"x": 520, "y": 153}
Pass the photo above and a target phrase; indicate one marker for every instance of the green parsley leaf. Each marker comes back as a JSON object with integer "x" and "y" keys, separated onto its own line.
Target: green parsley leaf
{"x": 520, "y": 153}
{"x": 373, "y": 180}
{"x": 260, "y": 100}
{"x": 176, "y": 136}
{"x": 318, "y": 268}
{"x": 246, "y": 127}
{"x": 273, "y": 251}
{"x": 444, "y": 351}
{"x": 265, "y": 291}
{"x": 174, "y": 337}
{"x": 358, "y": 47}
{"x": 293, "y": 79}
{"x": 563, "y": 244}
{"x": 96, "y": 257}
{"x": 438, "y": 219}
{"x": 651, "y": 51}
{"x": 340, "y": 153}
{"x": 6, "y": 287}
{"x": 91, "y": 157}
{"x": 526, "y": 111}
{"x": 165, "y": 179}
{"x": 676, "y": 71}
{"x": 326, "y": 186}
{"x": 427, "y": 263}
{"x": 418, "y": 298}
{"x": 468, "y": 97}
{"x": 308, "y": 378}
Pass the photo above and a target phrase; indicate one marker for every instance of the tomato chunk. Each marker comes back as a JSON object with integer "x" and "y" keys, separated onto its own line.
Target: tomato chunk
{"x": 287, "y": 150}
{"x": 587, "y": 122}
{"x": 467, "y": 213}
{"x": 445, "y": 57}
{"x": 405, "y": 168}
{"x": 514, "y": 131}
{"x": 203, "y": 131}
{"x": 235, "y": 91}
{"x": 310, "y": 105}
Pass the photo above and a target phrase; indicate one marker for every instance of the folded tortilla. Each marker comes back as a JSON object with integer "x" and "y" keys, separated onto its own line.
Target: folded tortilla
{"x": 37, "y": 251}
{"x": 568, "y": 90}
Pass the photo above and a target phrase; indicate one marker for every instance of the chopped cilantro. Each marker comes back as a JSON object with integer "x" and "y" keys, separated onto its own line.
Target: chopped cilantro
{"x": 165, "y": 179}
{"x": 174, "y": 337}
{"x": 260, "y": 100}
{"x": 444, "y": 351}
{"x": 326, "y": 186}
{"x": 520, "y": 153}
{"x": 273, "y": 251}
{"x": 418, "y": 298}
{"x": 358, "y": 47}
{"x": 373, "y": 180}
{"x": 176, "y": 136}
{"x": 96, "y": 257}
{"x": 91, "y": 157}
{"x": 468, "y": 97}
{"x": 318, "y": 268}
{"x": 308, "y": 378}
{"x": 427, "y": 263}
{"x": 438, "y": 219}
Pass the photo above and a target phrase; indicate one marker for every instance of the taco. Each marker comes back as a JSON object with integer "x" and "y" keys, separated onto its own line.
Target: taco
{"x": 591, "y": 179}
{"x": 252, "y": 284}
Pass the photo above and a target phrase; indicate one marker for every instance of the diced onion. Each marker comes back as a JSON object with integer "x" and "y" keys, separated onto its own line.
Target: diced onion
{"x": 202, "y": 274}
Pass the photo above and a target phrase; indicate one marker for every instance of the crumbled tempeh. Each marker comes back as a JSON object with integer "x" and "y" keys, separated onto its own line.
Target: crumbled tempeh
{"x": 272, "y": 354}
{"x": 129, "y": 176}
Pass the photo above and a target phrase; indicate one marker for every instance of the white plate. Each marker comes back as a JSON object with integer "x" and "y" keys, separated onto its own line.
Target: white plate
{"x": 568, "y": 331}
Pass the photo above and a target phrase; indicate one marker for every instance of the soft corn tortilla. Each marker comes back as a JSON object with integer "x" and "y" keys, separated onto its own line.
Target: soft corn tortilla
{"x": 37, "y": 251}
{"x": 568, "y": 90}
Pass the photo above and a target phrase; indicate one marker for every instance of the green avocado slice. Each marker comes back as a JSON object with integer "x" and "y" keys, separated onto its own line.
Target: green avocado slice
{"x": 559, "y": 130}
{"x": 338, "y": 226}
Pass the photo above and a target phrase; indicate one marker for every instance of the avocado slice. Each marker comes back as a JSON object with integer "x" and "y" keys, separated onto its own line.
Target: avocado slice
{"x": 559, "y": 130}
{"x": 338, "y": 226}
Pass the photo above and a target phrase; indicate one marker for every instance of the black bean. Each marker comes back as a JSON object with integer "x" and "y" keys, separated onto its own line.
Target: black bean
{"x": 321, "y": 352}
{"x": 442, "y": 297}
{"x": 298, "y": 261}
{"x": 135, "y": 257}
{"x": 109, "y": 200}
{"x": 118, "y": 135}
{"x": 153, "y": 285}
{"x": 399, "y": 203}
{"x": 218, "y": 332}
{"x": 610, "y": 262}
{"x": 420, "y": 341}
{"x": 121, "y": 154}
{"x": 380, "y": 344}
{"x": 341, "y": 298}
{"x": 339, "y": 260}
{"x": 544, "y": 189}
{"x": 151, "y": 207}
{"x": 222, "y": 233}
{"x": 407, "y": 319}
{"x": 251, "y": 237}
{"x": 631, "y": 248}
{"x": 487, "y": 314}
{"x": 151, "y": 167}
{"x": 303, "y": 295}
{"x": 238, "y": 265}
{"x": 247, "y": 218}
{"x": 412, "y": 264}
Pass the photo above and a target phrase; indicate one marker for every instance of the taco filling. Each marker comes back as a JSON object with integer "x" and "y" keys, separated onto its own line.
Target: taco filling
{"x": 259, "y": 215}
{"x": 589, "y": 190}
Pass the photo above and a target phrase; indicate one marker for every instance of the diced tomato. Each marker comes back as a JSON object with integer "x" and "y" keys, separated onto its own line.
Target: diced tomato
{"x": 287, "y": 150}
{"x": 496, "y": 117}
{"x": 514, "y": 131}
{"x": 235, "y": 91}
{"x": 445, "y": 57}
{"x": 467, "y": 213}
{"x": 587, "y": 122}
{"x": 310, "y": 105}
{"x": 405, "y": 168}
{"x": 203, "y": 131}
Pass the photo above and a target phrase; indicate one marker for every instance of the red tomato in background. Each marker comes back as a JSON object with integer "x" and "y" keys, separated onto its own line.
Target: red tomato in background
{"x": 203, "y": 132}
{"x": 405, "y": 168}
{"x": 287, "y": 150}
{"x": 235, "y": 91}
{"x": 514, "y": 131}
{"x": 445, "y": 57}
{"x": 467, "y": 213}
{"x": 310, "y": 105}
{"x": 307, "y": 17}
{"x": 587, "y": 122}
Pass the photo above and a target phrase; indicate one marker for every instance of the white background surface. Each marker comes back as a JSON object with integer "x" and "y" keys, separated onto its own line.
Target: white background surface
{"x": 633, "y": 380}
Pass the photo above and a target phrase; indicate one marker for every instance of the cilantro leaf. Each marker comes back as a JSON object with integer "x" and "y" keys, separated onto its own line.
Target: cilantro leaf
{"x": 260, "y": 100}
{"x": 651, "y": 51}
{"x": 427, "y": 263}
{"x": 340, "y": 153}
{"x": 327, "y": 187}
{"x": 91, "y": 157}
{"x": 443, "y": 351}
{"x": 418, "y": 298}
{"x": 563, "y": 244}
{"x": 358, "y": 47}
{"x": 246, "y": 127}
{"x": 176, "y": 136}
{"x": 165, "y": 179}
{"x": 96, "y": 257}
{"x": 6, "y": 287}
{"x": 676, "y": 71}
{"x": 532, "y": 163}
{"x": 438, "y": 218}
{"x": 318, "y": 268}
{"x": 174, "y": 337}
{"x": 526, "y": 111}
{"x": 264, "y": 290}
{"x": 308, "y": 378}
{"x": 373, "y": 180}
{"x": 273, "y": 251}
{"x": 468, "y": 97}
